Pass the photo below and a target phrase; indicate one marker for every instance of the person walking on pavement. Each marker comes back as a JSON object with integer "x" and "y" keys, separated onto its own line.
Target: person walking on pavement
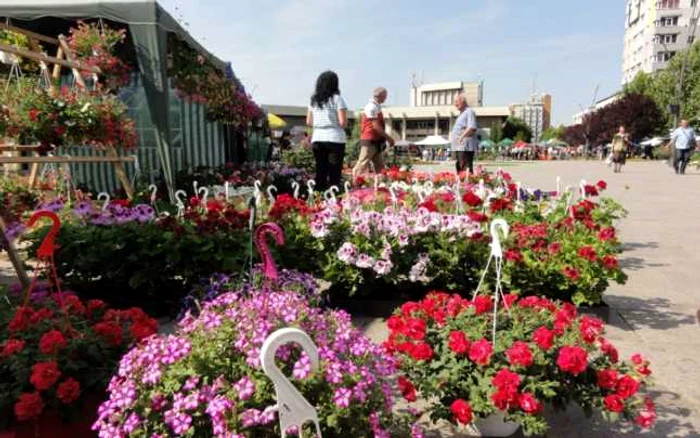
{"x": 373, "y": 137}
{"x": 619, "y": 149}
{"x": 328, "y": 116}
{"x": 464, "y": 139}
{"x": 683, "y": 140}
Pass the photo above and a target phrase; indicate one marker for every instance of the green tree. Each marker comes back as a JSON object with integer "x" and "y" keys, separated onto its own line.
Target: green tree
{"x": 662, "y": 87}
{"x": 553, "y": 132}
{"x": 496, "y": 132}
{"x": 515, "y": 126}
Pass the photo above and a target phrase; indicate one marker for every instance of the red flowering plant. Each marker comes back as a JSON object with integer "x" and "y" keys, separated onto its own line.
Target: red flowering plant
{"x": 96, "y": 46}
{"x": 57, "y": 351}
{"x": 544, "y": 354}
{"x": 196, "y": 78}
{"x": 68, "y": 117}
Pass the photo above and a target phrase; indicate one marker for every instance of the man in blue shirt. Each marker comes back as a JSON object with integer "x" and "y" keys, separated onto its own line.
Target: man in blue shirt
{"x": 683, "y": 139}
{"x": 464, "y": 141}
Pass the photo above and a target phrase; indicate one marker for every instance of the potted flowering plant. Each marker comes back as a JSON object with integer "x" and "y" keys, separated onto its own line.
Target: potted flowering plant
{"x": 544, "y": 355}
{"x": 97, "y": 45}
{"x": 56, "y": 358}
{"x": 206, "y": 379}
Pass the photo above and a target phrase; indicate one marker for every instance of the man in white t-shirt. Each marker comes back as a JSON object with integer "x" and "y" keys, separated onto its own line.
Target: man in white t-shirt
{"x": 373, "y": 134}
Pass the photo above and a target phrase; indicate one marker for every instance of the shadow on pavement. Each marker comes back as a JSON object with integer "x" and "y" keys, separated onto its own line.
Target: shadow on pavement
{"x": 638, "y": 263}
{"x": 631, "y": 246}
{"x": 654, "y": 313}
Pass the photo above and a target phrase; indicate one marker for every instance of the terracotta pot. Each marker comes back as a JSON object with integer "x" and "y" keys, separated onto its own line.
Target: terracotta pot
{"x": 51, "y": 425}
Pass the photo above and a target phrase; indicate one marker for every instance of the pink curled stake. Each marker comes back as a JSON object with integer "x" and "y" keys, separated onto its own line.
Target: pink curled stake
{"x": 269, "y": 268}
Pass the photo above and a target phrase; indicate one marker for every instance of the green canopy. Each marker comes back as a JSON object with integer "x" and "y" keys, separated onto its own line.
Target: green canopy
{"x": 487, "y": 144}
{"x": 149, "y": 25}
{"x": 506, "y": 142}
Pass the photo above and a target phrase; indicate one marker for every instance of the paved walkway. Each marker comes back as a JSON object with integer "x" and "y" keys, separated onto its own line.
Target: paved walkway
{"x": 656, "y": 311}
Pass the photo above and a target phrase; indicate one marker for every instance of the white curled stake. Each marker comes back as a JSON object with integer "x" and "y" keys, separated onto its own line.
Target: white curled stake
{"x": 103, "y": 196}
{"x": 497, "y": 227}
{"x": 293, "y": 409}
{"x": 180, "y": 197}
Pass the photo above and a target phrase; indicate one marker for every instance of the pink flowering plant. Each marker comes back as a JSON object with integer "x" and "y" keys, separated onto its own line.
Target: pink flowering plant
{"x": 368, "y": 249}
{"x": 544, "y": 354}
{"x": 205, "y": 380}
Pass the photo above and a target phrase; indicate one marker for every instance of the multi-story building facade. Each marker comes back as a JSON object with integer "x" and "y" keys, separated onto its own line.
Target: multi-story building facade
{"x": 655, "y": 30}
{"x": 536, "y": 113}
{"x": 432, "y": 111}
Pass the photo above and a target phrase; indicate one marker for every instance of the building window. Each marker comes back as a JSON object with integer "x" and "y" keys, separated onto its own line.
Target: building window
{"x": 663, "y": 56}
{"x": 667, "y": 21}
{"x": 667, "y": 4}
{"x": 670, "y": 38}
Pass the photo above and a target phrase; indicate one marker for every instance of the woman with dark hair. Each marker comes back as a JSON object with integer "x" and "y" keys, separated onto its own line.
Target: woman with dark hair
{"x": 328, "y": 116}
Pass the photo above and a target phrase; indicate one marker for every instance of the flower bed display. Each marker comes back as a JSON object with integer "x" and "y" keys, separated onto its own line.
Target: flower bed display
{"x": 373, "y": 245}
{"x": 544, "y": 355}
{"x": 57, "y": 356}
{"x": 126, "y": 256}
{"x": 206, "y": 379}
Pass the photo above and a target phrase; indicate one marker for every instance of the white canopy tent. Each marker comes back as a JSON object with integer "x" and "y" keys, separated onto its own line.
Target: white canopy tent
{"x": 653, "y": 142}
{"x": 433, "y": 141}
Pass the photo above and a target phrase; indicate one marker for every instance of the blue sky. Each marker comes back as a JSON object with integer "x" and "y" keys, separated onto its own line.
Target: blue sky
{"x": 279, "y": 47}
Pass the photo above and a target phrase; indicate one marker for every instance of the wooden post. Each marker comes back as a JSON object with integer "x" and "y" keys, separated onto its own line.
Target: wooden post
{"x": 34, "y": 171}
{"x": 14, "y": 257}
{"x": 57, "y": 66}
{"x": 69, "y": 56}
{"x": 121, "y": 174}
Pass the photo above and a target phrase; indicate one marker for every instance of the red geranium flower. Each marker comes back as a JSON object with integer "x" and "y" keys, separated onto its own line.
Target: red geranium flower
{"x": 29, "y": 406}
{"x": 572, "y": 359}
{"x": 554, "y": 248}
{"x": 111, "y": 331}
{"x": 68, "y": 391}
{"x": 415, "y": 328}
{"x": 646, "y": 419}
{"x": 395, "y": 323}
{"x": 506, "y": 380}
{"x": 462, "y": 411}
{"x": 519, "y": 354}
{"x": 409, "y": 308}
{"x": 614, "y": 403}
{"x": 421, "y": 351}
{"x": 11, "y": 347}
{"x": 44, "y": 375}
{"x": 610, "y": 262}
{"x": 22, "y": 319}
{"x": 408, "y": 390}
{"x": 471, "y": 199}
{"x": 477, "y": 217}
{"x": 529, "y": 404}
{"x": 627, "y": 386}
{"x": 571, "y": 273}
{"x": 606, "y": 234}
{"x": 480, "y": 352}
{"x": 144, "y": 328}
{"x": 607, "y": 379}
{"x": 513, "y": 255}
{"x": 602, "y": 185}
{"x": 609, "y": 349}
{"x": 51, "y": 342}
{"x": 544, "y": 338}
{"x": 588, "y": 253}
{"x": 95, "y": 305}
{"x": 482, "y": 304}
{"x": 590, "y": 328}
{"x": 458, "y": 342}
